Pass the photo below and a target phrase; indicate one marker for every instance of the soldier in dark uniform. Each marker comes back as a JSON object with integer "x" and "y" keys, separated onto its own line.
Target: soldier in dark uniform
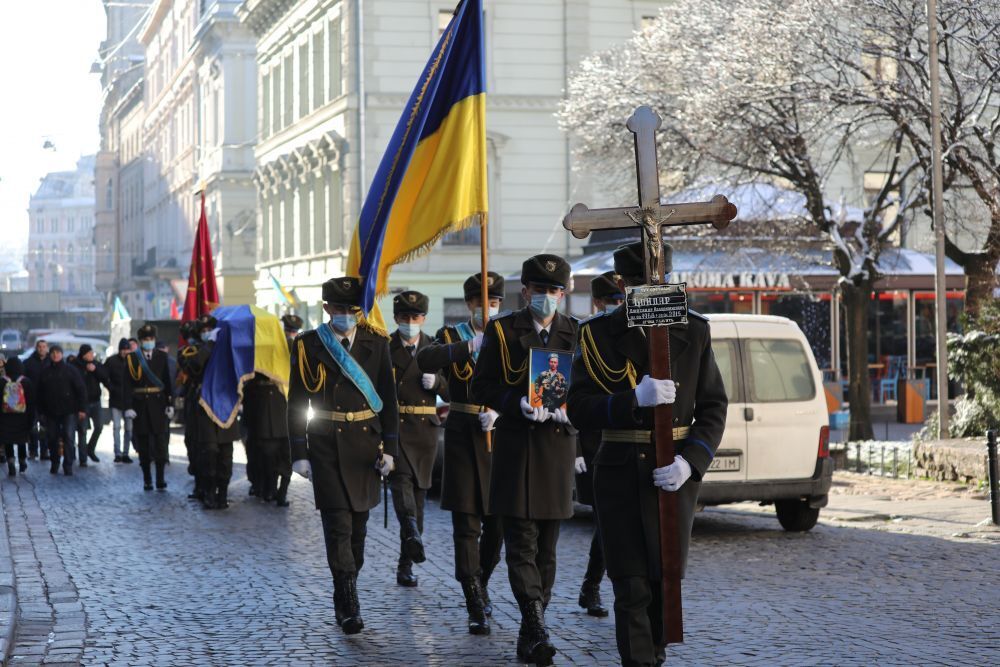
{"x": 606, "y": 296}
{"x": 534, "y": 448}
{"x": 352, "y": 436}
{"x": 611, "y": 391}
{"x": 416, "y": 394}
{"x": 465, "y": 484}
{"x": 292, "y": 324}
{"x": 151, "y": 399}
{"x": 189, "y": 332}
{"x": 265, "y": 415}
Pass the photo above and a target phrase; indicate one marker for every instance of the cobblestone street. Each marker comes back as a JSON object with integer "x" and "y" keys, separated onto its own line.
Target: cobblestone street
{"x": 108, "y": 574}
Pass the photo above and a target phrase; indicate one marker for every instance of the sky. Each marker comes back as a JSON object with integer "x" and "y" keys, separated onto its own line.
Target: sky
{"x": 46, "y": 50}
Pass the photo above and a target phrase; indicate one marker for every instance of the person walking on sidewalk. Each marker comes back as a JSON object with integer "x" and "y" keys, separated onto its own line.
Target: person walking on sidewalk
{"x": 18, "y": 413}
{"x": 151, "y": 406}
{"x": 119, "y": 400}
{"x": 93, "y": 376}
{"x": 63, "y": 400}
{"x": 33, "y": 367}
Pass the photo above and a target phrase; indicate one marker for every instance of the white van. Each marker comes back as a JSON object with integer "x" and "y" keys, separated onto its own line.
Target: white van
{"x": 776, "y": 444}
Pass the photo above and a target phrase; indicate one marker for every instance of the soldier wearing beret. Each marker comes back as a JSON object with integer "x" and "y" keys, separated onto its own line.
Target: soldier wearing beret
{"x": 151, "y": 406}
{"x": 534, "y": 447}
{"x": 465, "y": 485}
{"x": 606, "y": 296}
{"x": 416, "y": 393}
{"x": 611, "y": 392}
{"x": 343, "y": 371}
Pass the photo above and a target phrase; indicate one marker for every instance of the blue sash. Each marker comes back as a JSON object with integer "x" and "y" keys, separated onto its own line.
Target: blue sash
{"x": 349, "y": 367}
{"x": 145, "y": 369}
{"x": 466, "y": 333}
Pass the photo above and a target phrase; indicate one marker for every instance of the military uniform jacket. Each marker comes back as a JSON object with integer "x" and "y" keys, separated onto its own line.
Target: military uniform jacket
{"x": 265, "y": 409}
{"x": 342, "y": 453}
{"x": 202, "y": 430}
{"x": 612, "y": 357}
{"x": 532, "y": 462}
{"x": 465, "y": 484}
{"x": 150, "y": 406}
{"x": 418, "y": 433}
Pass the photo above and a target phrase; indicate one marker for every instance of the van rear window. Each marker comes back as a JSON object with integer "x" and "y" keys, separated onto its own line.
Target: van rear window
{"x": 779, "y": 371}
{"x": 725, "y": 358}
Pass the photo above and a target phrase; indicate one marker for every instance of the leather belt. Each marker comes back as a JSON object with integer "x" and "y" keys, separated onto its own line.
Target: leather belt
{"x": 467, "y": 408}
{"x": 147, "y": 390}
{"x": 639, "y": 437}
{"x": 358, "y": 416}
{"x": 417, "y": 410}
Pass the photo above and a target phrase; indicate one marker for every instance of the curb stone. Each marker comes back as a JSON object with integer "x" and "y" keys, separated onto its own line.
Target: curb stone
{"x": 8, "y": 592}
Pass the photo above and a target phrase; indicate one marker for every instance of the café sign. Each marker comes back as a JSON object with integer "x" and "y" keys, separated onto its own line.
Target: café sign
{"x": 740, "y": 280}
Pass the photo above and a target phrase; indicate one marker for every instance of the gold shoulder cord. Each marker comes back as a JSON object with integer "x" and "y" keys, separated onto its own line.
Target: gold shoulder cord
{"x": 315, "y": 381}
{"x": 465, "y": 373}
{"x": 136, "y": 373}
{"x": 592, "y": 357}
{"x": 512, "y": 376}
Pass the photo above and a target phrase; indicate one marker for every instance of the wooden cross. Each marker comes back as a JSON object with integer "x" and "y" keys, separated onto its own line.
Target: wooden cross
{"x": 652, "y": 217}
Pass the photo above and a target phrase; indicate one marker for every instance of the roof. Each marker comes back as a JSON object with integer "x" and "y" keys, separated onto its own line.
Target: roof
{"x": 763, "y": 201}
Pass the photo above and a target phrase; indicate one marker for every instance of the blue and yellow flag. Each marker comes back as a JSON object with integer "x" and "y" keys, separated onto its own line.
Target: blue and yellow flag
{"x": 432, "y": 178}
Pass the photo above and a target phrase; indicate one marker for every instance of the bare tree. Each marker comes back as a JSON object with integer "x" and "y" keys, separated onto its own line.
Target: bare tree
{"x": 745, "y": 88}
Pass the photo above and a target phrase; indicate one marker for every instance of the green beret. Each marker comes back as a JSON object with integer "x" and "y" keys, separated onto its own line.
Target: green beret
{"x": 473, "y": 286}
{"x": 630, "y": 263}
{"x": 545, "y": 270}
{"x": 410, "y": 301}
{"x": 345, "y": 291}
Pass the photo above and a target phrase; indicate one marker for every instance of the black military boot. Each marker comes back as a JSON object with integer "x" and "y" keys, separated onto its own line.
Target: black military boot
{"x": 11, "y": 469}
{"x": 352, "y": 623}
{"x": 478, "y": 623}
{"x": 590, "y": 599}
{"x": 222, "y": 494}
{"x": 209, "y": 495}
{"x": 147, "y": 477}
{"x": 413, "y": 547}
{"x": 404, "y": 574}
{"x": 338, "y": 597}
{"x": 92, "y": 452}
{"x": 538, "y": 648}
{"x": 161, "y": 483}
{"x": 196, "y": 492}
{"x": 484, "y": 580}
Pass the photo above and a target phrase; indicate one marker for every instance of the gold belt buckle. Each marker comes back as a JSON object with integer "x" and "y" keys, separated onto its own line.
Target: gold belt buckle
{"x": 349, "y": 416}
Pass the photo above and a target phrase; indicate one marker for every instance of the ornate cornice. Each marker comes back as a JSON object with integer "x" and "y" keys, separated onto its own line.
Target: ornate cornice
{"x": 262, "y": 15}
{"x": 298, "y": 166}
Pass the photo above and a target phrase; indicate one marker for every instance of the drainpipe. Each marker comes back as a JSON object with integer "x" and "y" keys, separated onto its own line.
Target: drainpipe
{"x": 360, "y": 56}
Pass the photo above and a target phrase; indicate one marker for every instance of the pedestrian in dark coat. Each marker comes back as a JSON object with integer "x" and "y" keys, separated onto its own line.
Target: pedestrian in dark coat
{"x": 465, "y": 484}
{"x": 534, "y": 449}
{"x": 94, "y": 376}
{"x": 119, "y": 400}
{"x": 352, "y": 437}
{"x": 62, "y": 398}
{"x": 185, "y": 388}
{"x": 611, "y": 391}
{"x": 416, "y": 393}
{"x": 152, "y": 406}
{"x": 16, "y": 427}
{"x": 33, "y": 366}
{"x": 265, "y": 416}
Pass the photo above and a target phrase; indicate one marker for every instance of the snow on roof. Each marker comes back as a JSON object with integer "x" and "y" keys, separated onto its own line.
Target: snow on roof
{"x": 762, "y": 201}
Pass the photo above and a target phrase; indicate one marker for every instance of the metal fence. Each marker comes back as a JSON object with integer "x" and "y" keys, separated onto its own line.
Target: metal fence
{"x": 885, "y": 459}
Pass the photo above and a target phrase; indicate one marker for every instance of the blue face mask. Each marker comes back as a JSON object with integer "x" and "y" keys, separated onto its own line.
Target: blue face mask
{"x": 343, "y": 323}
{"x": 477, "y": 315}
{"x": 544, "y": 305}
{"x": 409, "y": 330}
{"x": 148, "y": 345}
{"x": 610, "y": 308}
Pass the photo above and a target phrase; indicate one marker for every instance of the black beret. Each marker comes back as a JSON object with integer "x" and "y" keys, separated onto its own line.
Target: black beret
{"x": 605, "y": 286}
{"x": 410, "y": 301}
{"x": 630, "y": 263}
{"x": 146, "y": 331}
{"x": 291, "y": 322}
{"x": 545, "y": 270}
{"x": 206, "y": 322}
{"x": 473, "y": 286}
{"x": 123, "y": 344}
{"x": 344, "y": 291}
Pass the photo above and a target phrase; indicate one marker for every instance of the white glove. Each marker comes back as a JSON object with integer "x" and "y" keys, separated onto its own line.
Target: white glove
{"x": 428, "y": 380}
{"x": 487, "y": 418}
{"x": 650, "y": 392}
{"x": 580, "y": 465}
{"x": 538, "y": 414}
{"x": 211, "y": 335}
{"x": 559, "y": 415}
{"x": 169, "y": 412}
{"x": 475, "y": 343}
{"x": 387, "y": 465}
{"x": 303, "y": 467}
{"x": 130, "y": 414}
{"x": 673, "y": 476}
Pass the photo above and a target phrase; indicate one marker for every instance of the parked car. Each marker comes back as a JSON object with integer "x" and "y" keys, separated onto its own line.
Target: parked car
{"x": 11, "y": 341}
{"x": 776, "y": 444}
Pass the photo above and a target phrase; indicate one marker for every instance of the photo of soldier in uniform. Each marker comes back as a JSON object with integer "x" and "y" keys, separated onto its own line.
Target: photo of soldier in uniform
{"x": 549, "y": 372}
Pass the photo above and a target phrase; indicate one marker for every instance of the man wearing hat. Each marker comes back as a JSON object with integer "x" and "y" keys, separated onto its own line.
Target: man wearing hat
{"x": 534, "y": 447}
{"x": 465, "y": 484}
{"x": 292, "y": 324}
{"x": 120, "y": 399}
{"x": 606, "y": 296}
{"x": 93, "y": 377}
{"x": 416, "y": 394}
{"x": 343, "y": 371}
{"x": 151, "y": 406}
{"x": 612, "y": 393}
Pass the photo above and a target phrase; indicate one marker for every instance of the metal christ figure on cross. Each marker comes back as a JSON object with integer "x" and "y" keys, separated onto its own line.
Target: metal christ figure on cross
{"x": 652, "y": 217}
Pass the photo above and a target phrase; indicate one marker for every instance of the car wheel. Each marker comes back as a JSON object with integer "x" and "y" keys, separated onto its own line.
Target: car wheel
{"x": 795, "y": 515}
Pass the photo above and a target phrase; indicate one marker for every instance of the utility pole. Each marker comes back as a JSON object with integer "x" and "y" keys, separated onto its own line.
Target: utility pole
{"x": 940, "y": 294}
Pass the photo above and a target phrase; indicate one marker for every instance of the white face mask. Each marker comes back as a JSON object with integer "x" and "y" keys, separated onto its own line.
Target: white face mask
{"x": 409, "y": 330}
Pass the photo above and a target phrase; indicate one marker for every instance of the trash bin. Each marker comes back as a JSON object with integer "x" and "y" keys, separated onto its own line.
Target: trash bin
{"x": 910, "y": 403}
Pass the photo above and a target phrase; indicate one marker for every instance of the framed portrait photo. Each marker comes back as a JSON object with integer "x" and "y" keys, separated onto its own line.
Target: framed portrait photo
{"x": 549, "y": 374}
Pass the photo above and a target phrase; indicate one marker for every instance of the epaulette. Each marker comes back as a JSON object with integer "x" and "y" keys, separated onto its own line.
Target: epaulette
{"x": 697, "y": 315}
{"x": 189, "y": 351}
{"x": 501, "y": 315}
{"x": 302, "y": 334}
{"x": 593, "y": 317}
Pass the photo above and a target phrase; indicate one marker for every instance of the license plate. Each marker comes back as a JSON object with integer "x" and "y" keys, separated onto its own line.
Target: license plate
{"x": 725, "y": 464}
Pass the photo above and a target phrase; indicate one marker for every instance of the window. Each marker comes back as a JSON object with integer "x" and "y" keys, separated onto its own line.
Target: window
{"x": 303, "y": 79}
{"x": 70, "y": 224}
{"x": 444, "y": 18}
{"x": 54, "y": 226}
{"x": 336, "y": 85}
{"x": 646, "y": 22}
{"x": 40, "y": 226}
{"x": 319, "y": 75}
{"x": 874, "y": 181}
{"x": 108, "y": 192}
{"x": 779, "y": 371}
{"x": 276, "y": 100}
{"x": 465, "y": 237}
{"x": 265, "y": 107}
{"x": 725, "y": 358}
{"x": 289, "y": 93}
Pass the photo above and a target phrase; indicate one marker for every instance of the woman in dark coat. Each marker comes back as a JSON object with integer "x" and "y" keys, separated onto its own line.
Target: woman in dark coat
{"x": 15, "y": 427}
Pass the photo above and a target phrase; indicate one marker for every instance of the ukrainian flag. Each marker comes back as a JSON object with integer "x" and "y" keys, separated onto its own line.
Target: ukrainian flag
{"x": 432, "y": 179}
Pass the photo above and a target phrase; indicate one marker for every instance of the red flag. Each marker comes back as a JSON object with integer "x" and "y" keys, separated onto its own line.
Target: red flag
{"x": 174, "y": 313}
{"x": 203, "y": 293}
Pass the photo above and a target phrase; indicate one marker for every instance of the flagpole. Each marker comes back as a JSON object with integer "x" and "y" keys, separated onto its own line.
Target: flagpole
{"x": 485, "y": 294}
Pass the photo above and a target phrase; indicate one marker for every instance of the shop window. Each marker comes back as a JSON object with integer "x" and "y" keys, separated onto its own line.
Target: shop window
{"x": 779, "y": 371}
{"x": 925, "y": 323}
{"x": 811, "y": 313}
{"x": 709, "y": 303}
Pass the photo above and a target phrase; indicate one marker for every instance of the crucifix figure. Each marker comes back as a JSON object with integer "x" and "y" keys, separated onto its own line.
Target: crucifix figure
{"x": 651, "y": 217}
